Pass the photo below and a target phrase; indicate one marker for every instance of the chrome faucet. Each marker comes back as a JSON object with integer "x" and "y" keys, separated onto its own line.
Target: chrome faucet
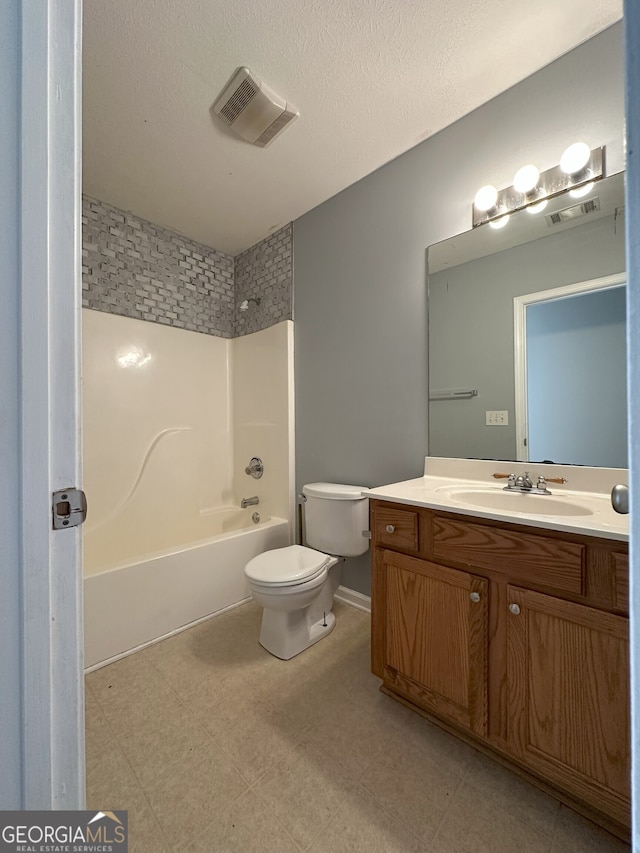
{"x": 523, "y": 483}
{"x": 245, "y": 502}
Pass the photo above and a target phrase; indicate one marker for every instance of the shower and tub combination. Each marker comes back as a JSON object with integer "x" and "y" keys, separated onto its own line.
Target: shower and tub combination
{"x": 188, "y": 470}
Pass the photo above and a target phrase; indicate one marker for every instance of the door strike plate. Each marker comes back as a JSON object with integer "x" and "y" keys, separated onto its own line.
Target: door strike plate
{"x": 69, "y": 508}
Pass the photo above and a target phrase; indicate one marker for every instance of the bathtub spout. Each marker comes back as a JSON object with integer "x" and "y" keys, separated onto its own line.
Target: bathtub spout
{"x": 245, "y": 502}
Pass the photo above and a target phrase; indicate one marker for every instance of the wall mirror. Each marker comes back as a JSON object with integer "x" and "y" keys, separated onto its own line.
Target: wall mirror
{"x": 527, "y": 355}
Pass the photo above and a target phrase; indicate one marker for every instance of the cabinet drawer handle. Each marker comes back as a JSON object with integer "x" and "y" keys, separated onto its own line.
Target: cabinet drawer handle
{"x": 390, "y": 528}
{"x": 515, "y": 609}
{"x": 474, "y": 596}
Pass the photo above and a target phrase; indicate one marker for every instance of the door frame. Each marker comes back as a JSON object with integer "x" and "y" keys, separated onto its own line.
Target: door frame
{"x": 632, "y": 223}
{"x": 520, "y": 305}
{"x": 47, "y": 291}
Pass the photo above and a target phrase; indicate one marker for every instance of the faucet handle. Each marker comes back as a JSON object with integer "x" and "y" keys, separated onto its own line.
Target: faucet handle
{"x": 510, "y": 478}
{"x": 255, "y": 468}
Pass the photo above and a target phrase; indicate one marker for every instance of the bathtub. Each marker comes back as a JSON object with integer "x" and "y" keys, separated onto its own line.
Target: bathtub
{"x": 129, "y": 603}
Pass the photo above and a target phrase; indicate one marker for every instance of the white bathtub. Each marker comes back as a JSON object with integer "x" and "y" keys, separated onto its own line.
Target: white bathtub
{"x": 131, "y": 605}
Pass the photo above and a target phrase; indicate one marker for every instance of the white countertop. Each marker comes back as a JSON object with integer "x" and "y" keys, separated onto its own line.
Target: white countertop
{"x": 436, "y": 491}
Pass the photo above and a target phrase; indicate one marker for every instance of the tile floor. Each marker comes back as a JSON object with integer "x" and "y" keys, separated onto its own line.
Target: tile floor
{"x": 214, "y": 745}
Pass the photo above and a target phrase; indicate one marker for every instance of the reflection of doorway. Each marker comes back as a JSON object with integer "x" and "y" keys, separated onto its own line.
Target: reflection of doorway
{"x": 570, "y": 374}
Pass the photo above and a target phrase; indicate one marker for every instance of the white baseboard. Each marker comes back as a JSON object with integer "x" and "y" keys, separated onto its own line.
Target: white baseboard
{"x": 355, "y": 599}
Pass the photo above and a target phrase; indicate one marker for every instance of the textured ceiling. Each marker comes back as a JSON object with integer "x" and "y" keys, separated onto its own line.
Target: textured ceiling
{"x": 371, "y": 79}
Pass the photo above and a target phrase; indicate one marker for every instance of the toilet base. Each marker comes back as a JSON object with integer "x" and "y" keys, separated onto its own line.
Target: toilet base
{"x": 285, "y": 635}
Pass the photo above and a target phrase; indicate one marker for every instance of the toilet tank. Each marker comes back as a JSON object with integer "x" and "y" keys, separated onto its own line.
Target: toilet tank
{"x": 335, "y": 518}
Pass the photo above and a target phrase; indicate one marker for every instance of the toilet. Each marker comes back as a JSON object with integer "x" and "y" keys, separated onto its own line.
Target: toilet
{"x": 296, "y": 585}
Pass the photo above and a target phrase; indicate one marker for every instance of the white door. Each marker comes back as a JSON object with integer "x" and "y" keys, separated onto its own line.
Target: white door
{"x": 41, "y": 672}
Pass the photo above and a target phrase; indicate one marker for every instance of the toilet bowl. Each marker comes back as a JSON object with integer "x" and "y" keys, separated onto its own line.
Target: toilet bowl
{"x": 296, "y": 585}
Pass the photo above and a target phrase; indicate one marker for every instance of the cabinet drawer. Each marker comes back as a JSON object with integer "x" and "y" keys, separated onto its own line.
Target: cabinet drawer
{"x": 539, "y": 560}
{"x": 396, "y": 528}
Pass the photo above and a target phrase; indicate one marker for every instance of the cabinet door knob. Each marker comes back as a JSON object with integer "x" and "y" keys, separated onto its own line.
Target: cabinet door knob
{"x": 515, "y": 609}
{"x": 390, "y": 528}
{"x": 474, "y": 596}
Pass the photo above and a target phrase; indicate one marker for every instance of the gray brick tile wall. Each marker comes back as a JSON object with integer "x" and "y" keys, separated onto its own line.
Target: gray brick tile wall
{"x": 137, "y": 269}
{"x": 265, "y": 272}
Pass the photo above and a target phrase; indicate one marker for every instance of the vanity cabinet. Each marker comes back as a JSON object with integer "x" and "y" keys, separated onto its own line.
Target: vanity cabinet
{"x": 513, "y": 637}
{"x": 436, "y": 638}
{"x": 568, "y": 678}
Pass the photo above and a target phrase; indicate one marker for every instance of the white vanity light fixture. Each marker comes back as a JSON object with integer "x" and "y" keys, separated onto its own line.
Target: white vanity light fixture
{"x": 579, "y": 166}
{"x": 500, "y": 222}
{"x": 575, "y": 159}
{"x": 526, "y": 181}
{"x": 486, "y": 199}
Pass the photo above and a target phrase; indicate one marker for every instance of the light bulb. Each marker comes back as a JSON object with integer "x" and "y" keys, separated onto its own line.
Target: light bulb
{"x": 575, "y": 158}
{"x": 486, "y": 198}
{"x": 526, "y": 179}
{"x": 499, "y": 223}
{"x": 539, "y": 207}
{"x": 582, "y": 191}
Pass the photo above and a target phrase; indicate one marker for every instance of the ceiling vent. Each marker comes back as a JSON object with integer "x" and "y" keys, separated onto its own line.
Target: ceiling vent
{"x": 252, "y": 109}
{"x": 570, "y": 213}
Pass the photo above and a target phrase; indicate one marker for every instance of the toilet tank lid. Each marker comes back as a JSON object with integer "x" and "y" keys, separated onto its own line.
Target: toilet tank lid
{"x": 334, "y": 491}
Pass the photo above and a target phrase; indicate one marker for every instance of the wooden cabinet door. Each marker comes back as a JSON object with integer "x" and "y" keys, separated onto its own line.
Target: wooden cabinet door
{"x": 436, "y": 638}
{"x": 568, "y": 679}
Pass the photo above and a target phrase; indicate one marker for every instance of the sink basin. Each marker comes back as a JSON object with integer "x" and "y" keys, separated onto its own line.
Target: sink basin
{"x": 489, "y": 498}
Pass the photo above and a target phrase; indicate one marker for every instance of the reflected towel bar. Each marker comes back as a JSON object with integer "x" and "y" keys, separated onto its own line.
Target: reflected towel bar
{"x": 453, "y": 394}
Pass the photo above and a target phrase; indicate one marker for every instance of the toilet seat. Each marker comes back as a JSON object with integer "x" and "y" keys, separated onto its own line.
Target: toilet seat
{"x": 290, "y": 566}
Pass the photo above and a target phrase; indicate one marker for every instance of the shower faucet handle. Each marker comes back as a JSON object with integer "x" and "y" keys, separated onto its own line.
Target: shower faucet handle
{"x": 255, "y": 468}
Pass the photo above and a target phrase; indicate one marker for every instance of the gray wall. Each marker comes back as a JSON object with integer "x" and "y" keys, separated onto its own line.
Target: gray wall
{"x": 11, "y": 739}
{"x": 471, "y": 330}
{"x": 359, "y": 293}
